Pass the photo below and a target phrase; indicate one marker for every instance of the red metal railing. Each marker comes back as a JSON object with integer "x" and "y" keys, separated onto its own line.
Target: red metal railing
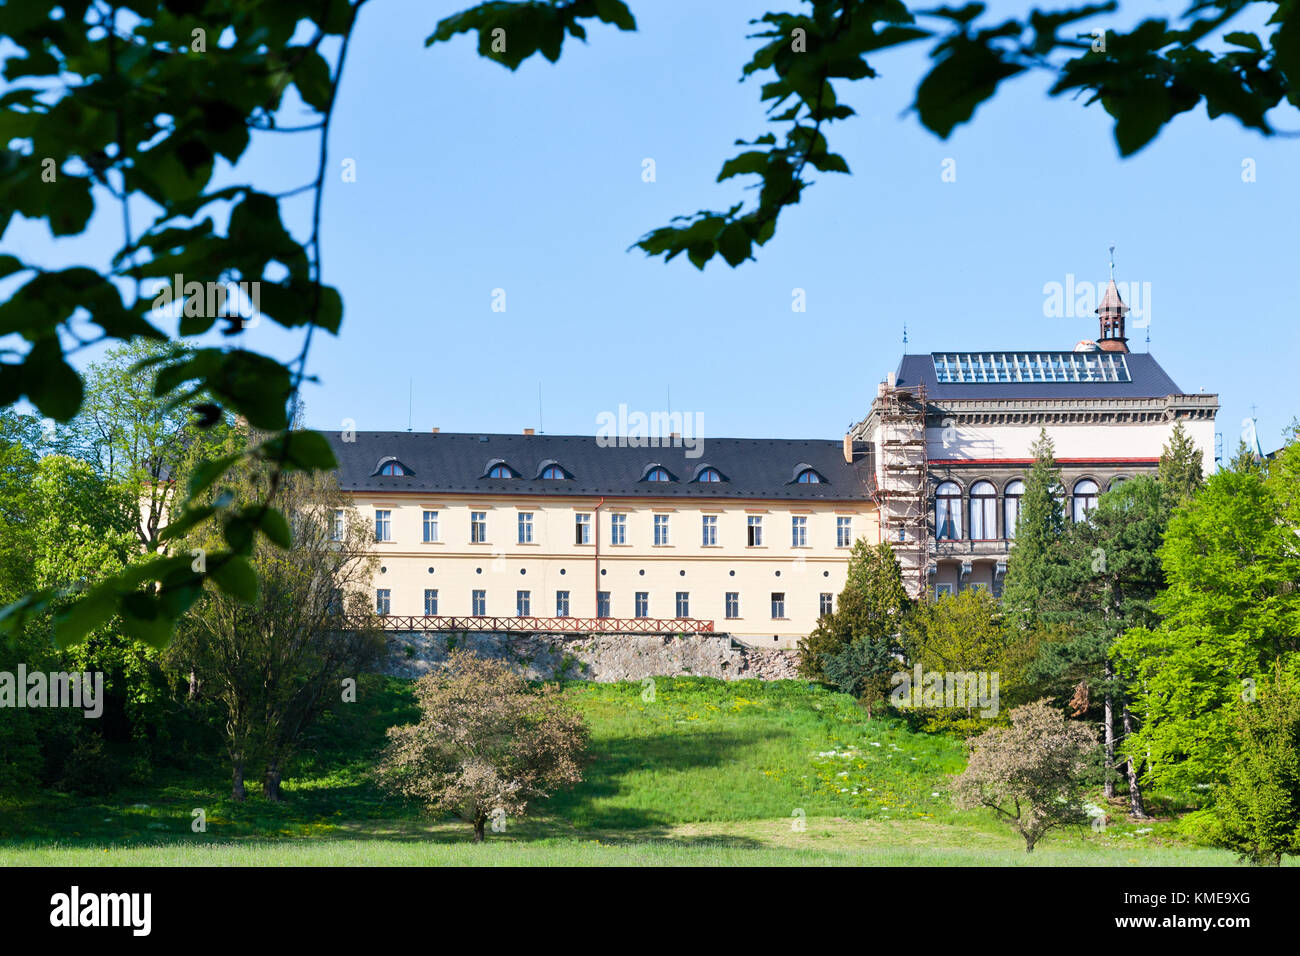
{"x": 553, "y": 625}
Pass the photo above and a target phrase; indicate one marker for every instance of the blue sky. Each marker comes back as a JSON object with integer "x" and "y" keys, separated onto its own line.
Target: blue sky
{"x": 471, "y": 178}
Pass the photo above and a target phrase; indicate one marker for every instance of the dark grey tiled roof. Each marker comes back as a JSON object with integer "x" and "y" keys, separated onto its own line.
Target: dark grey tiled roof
{"x": 456, "y": 463}
{"x": 1149, "y": 380}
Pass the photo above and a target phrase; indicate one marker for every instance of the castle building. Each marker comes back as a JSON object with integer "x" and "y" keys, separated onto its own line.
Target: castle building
{"x": 951, "y": 434}
{"x": 751, "y": 537}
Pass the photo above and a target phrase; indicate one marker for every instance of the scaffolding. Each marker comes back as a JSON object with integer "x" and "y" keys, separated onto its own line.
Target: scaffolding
{"x": 902, "y": 488}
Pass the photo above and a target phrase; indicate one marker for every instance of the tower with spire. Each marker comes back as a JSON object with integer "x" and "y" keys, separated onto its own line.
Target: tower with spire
{"x": 1111, "y": 313}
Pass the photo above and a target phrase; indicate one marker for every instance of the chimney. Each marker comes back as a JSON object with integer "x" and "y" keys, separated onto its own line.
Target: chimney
{"x": 436, "y": 429}
{"x": 891, "y": 380}
{"x": 528, "y": 431}
{"x": 674, "y": 436}
{"x": 848, "y": 449}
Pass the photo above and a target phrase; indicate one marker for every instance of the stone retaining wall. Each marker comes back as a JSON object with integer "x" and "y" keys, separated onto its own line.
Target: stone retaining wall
{"x": 598, "y": 657}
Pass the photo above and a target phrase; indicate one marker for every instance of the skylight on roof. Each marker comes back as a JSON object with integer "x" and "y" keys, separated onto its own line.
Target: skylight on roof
{"x": 969, "y": 368}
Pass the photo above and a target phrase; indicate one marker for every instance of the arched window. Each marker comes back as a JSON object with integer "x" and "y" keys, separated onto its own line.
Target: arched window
{"x": 947, "y": 512}
{"x": 1085, "y": 498}
{"x": 983, "y": 511}
{"x": 1011, "y": 506}
{"x": 501, "y": 471}
{"x": 392, "y": 468}
{"x": 809, "y": 477}
{"x": 1116, "y": 482}
{"x": 709, "y": 475}
{"x": 658, "y": 474}
{"x": 553, "y": 473}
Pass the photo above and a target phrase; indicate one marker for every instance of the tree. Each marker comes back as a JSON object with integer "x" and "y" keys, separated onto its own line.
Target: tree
{"x": 485, "y": 744}
{"x": 1040, "y": 525}
{"x": 140, "y": 105}
{"x": 137, "y": 442}
{"x": 856, "y": 647}
{"x": 1230, "y": 614}
{"x": 1180, "y": 464}
{"x": 274, "y": 656}
{"x": 1104, "y": 584}
{"x": 1257, "y": 809}
{"x": 1031, "y": 773}
{"x": 963, "y": 632}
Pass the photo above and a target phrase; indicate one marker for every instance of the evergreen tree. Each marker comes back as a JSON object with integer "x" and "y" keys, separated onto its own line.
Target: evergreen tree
{"x": 855, "y": 647}
{"x": 1104, "y": 585}
{"x": 1180, "y": 464}
{"x": 1039, "y": 528}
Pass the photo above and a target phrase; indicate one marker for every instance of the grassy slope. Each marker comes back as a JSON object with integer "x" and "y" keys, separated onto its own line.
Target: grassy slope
{"x": 707, "y": 772}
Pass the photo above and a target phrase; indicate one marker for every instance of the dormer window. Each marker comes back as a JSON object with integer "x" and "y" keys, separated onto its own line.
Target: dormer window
{"x": 499, "y": 468}
{"x": 552, "y": 470}
{"x": 808, "y": 477}
{"x": 658, "y": 474}
{"x": 709, "y": 475}
{"x": 392, "y": 468}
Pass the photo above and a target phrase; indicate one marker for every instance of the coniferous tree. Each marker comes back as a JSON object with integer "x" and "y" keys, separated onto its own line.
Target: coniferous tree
{"x": 1039, "y": 528}
{"x": 1104, "y": 585}
{"x": 855, "y": 647}
{"x": 1180, "y": 464}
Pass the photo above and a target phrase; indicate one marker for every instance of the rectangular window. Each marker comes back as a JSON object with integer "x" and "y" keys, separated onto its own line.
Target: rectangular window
{"x": 383, "y": 601}
{"x": 618, "y": 529}
{"x": 778, "y": 605}
{"x": 798, "y": 532}
{"x": 661, "y": 530}
{"x": 430, "y": 526}
{"x": 642, "y": 603}
{"x": 561, "y": 603}
{"x": 843, "y": 532}
{"x": 827, "y": 604}
{"x": 582, "y": 529}
{"x": 683, "y": 604}
{"x": 336, "y": 601}
{"x": 431, "y": 602}
{"x": 336, "y": 528}
{"x": 709, "y": 529}
{"x": 383, "y": 525}
{"x": 755, "y": 523}
{"x": 478, "y": 527}
{"x": 942, "y": 589}
{"x": 733, "y": 605}
{"x": 523, "y": 604}
{"x": 525, "y": 527}
{"x": 478, "y": 604}
{"x": 602, "y": 604}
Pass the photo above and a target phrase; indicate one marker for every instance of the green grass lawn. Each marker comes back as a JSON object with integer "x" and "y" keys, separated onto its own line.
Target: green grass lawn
{"x": 706, "y": 773}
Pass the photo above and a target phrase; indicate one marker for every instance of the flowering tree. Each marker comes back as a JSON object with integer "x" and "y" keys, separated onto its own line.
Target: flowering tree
{"x": 486, "y": 743}
{"x": 1031, "y": 773}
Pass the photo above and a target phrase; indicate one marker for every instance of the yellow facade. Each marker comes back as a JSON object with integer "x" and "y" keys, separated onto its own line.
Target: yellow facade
{"x": 457, "y": 564}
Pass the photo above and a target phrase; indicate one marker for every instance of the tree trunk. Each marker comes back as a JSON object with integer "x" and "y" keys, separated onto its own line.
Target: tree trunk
{"x": 271, "y": 783}
{"x": 1134, "y": 790}
{"x": 194, "y": 684}
{"x": 1108, "y": 729}
{"x": 237, "y": 792}
{"x": 480, "y": 823}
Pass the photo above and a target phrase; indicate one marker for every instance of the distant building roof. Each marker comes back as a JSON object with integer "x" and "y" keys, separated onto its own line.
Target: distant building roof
{"x": 456, "y": 463}
{"x": 1041, "y": 373}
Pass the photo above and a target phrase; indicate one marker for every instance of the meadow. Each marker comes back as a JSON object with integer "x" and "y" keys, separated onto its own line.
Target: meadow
{"x": 692, "y": 771}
